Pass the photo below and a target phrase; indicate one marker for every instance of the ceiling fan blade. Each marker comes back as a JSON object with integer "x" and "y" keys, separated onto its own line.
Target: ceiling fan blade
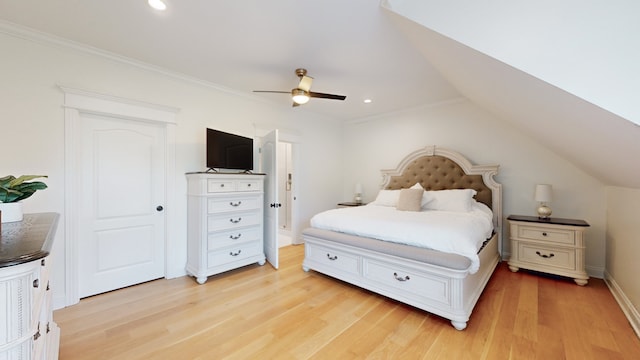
{"x": 272, "y": 91}
{"x": 326, "y": 96}
{"x": 305, "y": 83}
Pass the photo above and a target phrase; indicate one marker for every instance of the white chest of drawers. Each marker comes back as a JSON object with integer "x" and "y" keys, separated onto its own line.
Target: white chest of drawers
{"x": 225, "y": 222}
{"x": 554, "y": 246}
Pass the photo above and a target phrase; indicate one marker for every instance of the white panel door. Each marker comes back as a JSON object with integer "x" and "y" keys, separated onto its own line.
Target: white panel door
{"x": 121, "y": 232}
{"x": 270, "y": 168}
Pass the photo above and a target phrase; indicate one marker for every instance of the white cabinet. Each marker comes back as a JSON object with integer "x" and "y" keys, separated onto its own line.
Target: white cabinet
{"x": 27, "y": 329}
{"x": 225, "y": 222}
{"x": 554, "y": 246}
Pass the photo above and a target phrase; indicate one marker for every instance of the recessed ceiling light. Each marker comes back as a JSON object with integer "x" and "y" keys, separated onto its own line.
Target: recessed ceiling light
{"x": 367, "y": 101}
{"x": 158, "y": 4}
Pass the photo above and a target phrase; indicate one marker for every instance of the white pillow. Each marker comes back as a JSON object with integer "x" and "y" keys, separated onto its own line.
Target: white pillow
{"x": 387, "y": 198}
{"x": 459, "y": 200}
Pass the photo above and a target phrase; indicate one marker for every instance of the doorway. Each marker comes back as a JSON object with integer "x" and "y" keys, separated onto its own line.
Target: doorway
{"x": 135, "y": 123}
{"x": 285, "y": 193}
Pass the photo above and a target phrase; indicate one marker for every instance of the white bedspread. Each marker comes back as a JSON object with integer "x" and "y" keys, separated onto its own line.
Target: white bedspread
{"x": 453, "y": 232}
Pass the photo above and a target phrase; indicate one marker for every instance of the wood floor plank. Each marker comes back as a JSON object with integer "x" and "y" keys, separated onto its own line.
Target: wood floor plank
{"x": 257, "y": 312}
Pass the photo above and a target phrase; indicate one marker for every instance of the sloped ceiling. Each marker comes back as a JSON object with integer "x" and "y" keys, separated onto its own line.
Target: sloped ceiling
{"x": 601, "y": 143}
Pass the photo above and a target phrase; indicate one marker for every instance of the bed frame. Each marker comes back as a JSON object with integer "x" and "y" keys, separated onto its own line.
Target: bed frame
{"x": 441, "y": 290}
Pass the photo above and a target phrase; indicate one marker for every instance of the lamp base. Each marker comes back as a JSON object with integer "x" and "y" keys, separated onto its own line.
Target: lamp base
{"x": 544, "y": 212}
{"x": 357, "y": 199}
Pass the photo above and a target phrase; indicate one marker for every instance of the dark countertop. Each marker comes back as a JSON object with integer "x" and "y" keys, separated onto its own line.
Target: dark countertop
{"x": 27, "y": 240}
{"x": 556, "y": 221}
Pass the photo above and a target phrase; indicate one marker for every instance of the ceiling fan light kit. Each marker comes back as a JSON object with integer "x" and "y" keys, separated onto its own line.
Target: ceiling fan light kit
{"x": 302, "y": 93}
{"x": 299, "y": 96}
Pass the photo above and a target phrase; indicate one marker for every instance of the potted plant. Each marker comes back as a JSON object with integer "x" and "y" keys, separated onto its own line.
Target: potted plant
{"x": 13, "y": 190}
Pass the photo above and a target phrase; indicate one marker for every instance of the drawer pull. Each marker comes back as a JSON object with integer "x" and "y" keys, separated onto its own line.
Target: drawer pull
{"x": 235, "y": 221}
{"x": 545, "y": 256}
{"x": 48, "y": 287}
{"x": 221, "y": 185}
{"x": 235, "y": 204}
{"x": 332, "y": 258}
{"x": 42, "y": 263}
{"x": 36, "y": 283}
{"x": 400, "y": 278}
{"x": 235, "y": 254}
{"x": 248, "y": 185}
{"x": 544, "y": 234}
{"x": 232, "y": 237}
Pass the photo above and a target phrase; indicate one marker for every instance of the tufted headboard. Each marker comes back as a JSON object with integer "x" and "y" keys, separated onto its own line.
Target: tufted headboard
{"x": 440, "y": 169}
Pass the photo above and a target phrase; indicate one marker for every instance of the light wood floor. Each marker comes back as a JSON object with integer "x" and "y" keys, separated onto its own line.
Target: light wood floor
{"x": 257, "y": 312}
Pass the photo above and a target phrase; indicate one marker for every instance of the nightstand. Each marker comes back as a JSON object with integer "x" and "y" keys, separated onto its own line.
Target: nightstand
{"x": 554, "y": 246}
{"x": 350, "y": 204}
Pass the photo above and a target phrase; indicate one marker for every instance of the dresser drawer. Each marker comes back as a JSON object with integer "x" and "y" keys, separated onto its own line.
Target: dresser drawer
{"x": 227, "y": 238}
{"x": 249, "y": 185}
{"x": 230, "y": 254}
{"x": 548, "y": 256}
{"x": 335, "y": 259}
{"x": 558, "y": 236}
{"x": 233, "y": 220}
{"x": 236, "y": 203}
{"x": 221, "y": 185}
{"x": 409, "y": 281}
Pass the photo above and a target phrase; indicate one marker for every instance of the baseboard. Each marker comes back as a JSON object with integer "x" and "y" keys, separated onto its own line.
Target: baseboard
{"x": 595, "y": 272}
{"x": 627, "y": 307}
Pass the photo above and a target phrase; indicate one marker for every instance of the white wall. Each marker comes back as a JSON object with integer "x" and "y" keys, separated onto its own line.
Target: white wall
{"x": 381, "y": 142}
{"x": 623, "y": 248}
{"x": 32, "y": 126}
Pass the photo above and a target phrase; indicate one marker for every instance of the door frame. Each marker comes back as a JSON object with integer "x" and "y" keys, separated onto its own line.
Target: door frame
{"x": 76, "y": 103}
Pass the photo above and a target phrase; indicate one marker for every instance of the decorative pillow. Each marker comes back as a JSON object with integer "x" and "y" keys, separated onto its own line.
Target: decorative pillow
{"x": 425, "y": 196}
{"x": 460, "y": 200}
{"x": 410, "y": 199}
{"x": 387, "y": 198}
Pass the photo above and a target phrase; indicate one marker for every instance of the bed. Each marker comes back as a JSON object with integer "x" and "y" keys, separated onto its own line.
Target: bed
{"x": 440, "y": 282}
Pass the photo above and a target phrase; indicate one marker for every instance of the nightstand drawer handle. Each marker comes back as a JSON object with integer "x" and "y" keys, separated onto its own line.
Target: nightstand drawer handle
{"x": 332, "y": 258}
{"x": 236, "y": 237}
{"x": 235, "y": 204}
{"x": 545, "y": 256}
{"x": 236, "y": 221}
{"x": 544, "y": 234}
{"x": 236, "y": 253}
{"x": 400, "y": 278}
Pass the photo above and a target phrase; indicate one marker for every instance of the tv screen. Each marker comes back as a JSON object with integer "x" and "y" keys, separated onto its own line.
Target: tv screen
{"x": 229, "y": 151}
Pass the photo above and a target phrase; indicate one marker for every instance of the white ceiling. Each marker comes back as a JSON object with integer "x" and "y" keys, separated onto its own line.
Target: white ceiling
{"x": 350, "y": 47}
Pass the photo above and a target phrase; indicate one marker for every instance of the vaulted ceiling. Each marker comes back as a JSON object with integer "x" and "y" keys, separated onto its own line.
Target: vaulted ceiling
{"x": 401, "y": 54}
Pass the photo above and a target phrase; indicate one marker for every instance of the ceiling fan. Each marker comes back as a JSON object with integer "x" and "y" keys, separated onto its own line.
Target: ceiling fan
{"x": 301, "y": 94}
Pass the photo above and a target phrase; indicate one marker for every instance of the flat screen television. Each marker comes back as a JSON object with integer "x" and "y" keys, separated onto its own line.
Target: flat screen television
{"x": 229, "y": 151}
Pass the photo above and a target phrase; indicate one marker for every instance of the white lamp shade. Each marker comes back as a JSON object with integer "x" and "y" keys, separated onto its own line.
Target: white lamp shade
{"x": 543, "y": 193}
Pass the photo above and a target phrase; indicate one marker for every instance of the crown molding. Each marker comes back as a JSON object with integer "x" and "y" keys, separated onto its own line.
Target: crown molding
{"x": 30, "y": 34}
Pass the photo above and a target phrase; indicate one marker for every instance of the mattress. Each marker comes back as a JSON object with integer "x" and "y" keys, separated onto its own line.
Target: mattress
{"x": 424, "y": 255}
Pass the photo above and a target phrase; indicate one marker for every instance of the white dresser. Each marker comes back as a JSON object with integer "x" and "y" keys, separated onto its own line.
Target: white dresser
{"x": 554, "y": 246}
{"x": 27, "y": 329}
{"x": 225, "y": 222}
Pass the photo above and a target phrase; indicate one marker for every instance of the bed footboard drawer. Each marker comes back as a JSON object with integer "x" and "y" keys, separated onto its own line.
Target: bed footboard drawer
{"x": 408, "y": 281}
{"x": 336, "y": 259}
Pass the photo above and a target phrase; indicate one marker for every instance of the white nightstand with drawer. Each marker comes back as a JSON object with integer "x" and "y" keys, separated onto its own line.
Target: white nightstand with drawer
{"x": 554, "y": 246}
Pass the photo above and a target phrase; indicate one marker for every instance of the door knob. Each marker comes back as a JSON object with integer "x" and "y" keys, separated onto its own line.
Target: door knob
{"x": 159, "y": 208}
